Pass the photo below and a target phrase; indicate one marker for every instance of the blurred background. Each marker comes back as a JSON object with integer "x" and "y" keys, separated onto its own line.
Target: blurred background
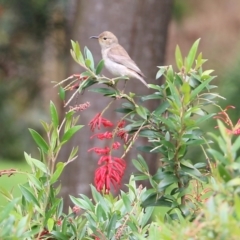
{"x": 34, "y": 50}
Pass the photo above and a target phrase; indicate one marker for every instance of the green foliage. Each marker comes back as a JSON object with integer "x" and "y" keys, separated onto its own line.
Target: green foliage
{"x": 200, "y": 201}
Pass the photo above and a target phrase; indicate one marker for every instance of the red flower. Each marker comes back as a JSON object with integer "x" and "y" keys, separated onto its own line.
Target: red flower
{"x": 106, "y": 123}
{"x": 223, "y": 116}
{"x": 100, "y": 151}
{"x": 121, "y": 124}
{"x": 76, "y": 209}
{"x": 101, "y": 136}
{"x": 123, "y": 135}
{"x": 110, "y": 173}
{"x": 116, "y": 145}
{"x": 59, "y": 222}
{"x": 98, "y": 120}
{"x": 95, "y": 122}
{"x": 235, "y": 130}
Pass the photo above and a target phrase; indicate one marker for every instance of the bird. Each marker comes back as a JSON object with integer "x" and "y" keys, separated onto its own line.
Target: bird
{"x": 116, "y": 59}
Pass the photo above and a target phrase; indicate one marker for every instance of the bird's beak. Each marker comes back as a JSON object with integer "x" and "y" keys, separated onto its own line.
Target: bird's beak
{"x": 96, "y": 37}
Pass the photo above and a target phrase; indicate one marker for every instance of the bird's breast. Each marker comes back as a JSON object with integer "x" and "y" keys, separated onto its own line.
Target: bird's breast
{"x": 114, "y": 67}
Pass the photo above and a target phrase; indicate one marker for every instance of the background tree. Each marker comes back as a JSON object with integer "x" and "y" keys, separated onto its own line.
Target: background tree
{"x": 141, "y": 28}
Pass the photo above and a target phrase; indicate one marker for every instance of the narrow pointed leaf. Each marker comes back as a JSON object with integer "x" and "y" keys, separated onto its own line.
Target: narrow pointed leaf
{"x": 62, "y": 93}
{"x": 192, "y": 54}
{"x": 99, "y": 67}
{"x": 39, "y": 140}
{"x": 54, "y": 115}
{"x": 28, "y": 195}
{"x": 57, "y": 173}
{"x": 178, "y": 58}
{"x": 67, "y": 135}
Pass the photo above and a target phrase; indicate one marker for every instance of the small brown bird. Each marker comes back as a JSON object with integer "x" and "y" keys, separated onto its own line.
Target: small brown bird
{"x": 116, "y": 58}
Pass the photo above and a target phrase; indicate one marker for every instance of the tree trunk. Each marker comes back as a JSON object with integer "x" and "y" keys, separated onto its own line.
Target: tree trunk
{"x": 141, "y": 27}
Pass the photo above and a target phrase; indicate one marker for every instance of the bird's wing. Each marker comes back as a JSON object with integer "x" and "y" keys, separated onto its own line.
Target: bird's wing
{"x": 119, "y": 55}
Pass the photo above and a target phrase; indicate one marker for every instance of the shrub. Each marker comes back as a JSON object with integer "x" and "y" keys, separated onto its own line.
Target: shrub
{"x": 193, "y": 198}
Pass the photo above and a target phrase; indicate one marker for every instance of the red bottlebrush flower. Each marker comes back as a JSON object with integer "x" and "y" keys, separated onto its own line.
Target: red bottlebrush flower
{"x": 106, "y": 123}
{"x": 116, "y": 145}
{"x": 95, "y": 122}
{"x": 121, "y": 124}
{"x": 59, "y": 222}
{"x": 235, "y": 130}
{"x": 123, "y": 135}
{"x": 100, "y": 151}
{"x": 98, "y": 120}
{"x": 76, "y": 209}
{"x": 109, "y": 173}
{"x": 80, "y": 107}
{"x": 101, "y": 136}
{"x": 223, "y": 116}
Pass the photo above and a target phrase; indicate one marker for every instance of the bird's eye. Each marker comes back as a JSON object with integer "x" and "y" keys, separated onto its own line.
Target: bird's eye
{"x": 104, "y": 38}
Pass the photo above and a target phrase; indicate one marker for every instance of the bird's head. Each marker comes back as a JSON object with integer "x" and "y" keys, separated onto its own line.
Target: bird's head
{"x": 106, "y": 39}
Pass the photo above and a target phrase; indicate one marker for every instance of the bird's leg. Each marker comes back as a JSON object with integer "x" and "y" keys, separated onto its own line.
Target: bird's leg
{"x": 125, "y": 83}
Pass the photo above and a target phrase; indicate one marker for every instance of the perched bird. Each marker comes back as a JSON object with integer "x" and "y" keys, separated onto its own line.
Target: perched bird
{"x": 116, "y": 58}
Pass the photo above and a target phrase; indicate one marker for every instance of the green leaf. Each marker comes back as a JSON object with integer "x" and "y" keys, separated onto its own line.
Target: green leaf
{"x": 83, "y": 203}
{"x": 192, "y": 54}
{"x": 54, "y": 114}
{"x": 7, "y": 209}
{"x": 160, "y": 72}
{"x": 170, "y": 74}
{"x": 137, "y": 165}
{"x": 146, "y": 149}
{"x": 178, "y": 58}
{"x": 204, "y": 118}
{"x": 142, "y": 112}
{"x": 198, "y": 89}
{"x": 142, "y": 162}
{"x": 199, "y": 61}
{"x": 140, "y": 177}
{"x": 167, "y": 181}
{"x": 28, "y": 195}
{"x": 153, "y": 200}
{"x": 50, "y": 224}
{"x": 53, "y": 139}
{"x": 225, "y": 175}
{"x": 152, "y": 96}
{"x": 89, "y": 56}
{"x": 73, "y": 152}
{"x": 88, "y": 63}
{"x": 57, "y": 173}
{"x": 5, "y": 193}
{"x": 59, "y": 235}
{"x": 21, "y": 226}
{"x": 67, "y": 135}
{"x": 34, "y": 180}
{"x": 236, "y": 145}
{"x": 111, "y": 226}
{"x": 175, "y": 94}
{"x": 146, "y": 216}
{"x": 99, "y": 198}
{"x": 123, "y": 110}
{"x": 39, "y": 140}
{"x": 237, "y": 205}
{"x": 100, "y": 66}
{"x": 234, "y": 182}
{"x": 34, "y": 162}
{"x": 148, "y": 133}
{"x": 186, "y": 89}
{"x": 105, "y": 91}
{"x": 161, "y": 108}
{"x": 61, "y": 93}
{"x": 76, "y": 53}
